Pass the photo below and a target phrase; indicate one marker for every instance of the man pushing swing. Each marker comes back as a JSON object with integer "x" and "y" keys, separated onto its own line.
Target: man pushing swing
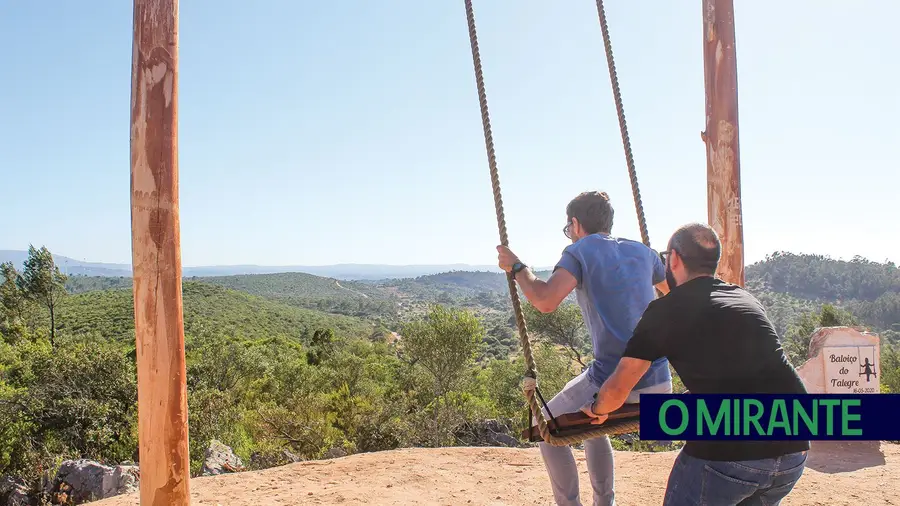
{"x": 614, "y": 280}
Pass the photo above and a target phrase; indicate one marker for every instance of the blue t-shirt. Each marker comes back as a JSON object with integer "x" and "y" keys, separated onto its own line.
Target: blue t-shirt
{"x": 615, "y": 285}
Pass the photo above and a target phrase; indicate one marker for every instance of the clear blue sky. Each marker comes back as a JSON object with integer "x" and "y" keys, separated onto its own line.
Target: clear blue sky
{"x": 349, "y": 131}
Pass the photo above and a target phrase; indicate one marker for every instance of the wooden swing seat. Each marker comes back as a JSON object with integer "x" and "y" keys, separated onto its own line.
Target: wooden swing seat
{"x": 571, "y": 424}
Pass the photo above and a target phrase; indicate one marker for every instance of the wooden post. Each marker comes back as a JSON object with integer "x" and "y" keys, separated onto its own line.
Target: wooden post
{"x": 721, "y": 136}
{"x": 156, "y": 256}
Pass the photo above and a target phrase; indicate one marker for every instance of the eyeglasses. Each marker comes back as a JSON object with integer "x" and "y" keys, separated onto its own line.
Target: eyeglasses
{"x": 566, "y": 230}
{"x": 664, "y": 256}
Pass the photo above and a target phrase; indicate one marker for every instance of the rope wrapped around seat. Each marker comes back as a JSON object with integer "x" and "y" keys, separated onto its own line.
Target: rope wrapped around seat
{"x": 572, "y": 428}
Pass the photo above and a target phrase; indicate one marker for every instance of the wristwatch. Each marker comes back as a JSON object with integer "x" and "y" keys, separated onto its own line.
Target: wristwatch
{"x": 517, "y": 267}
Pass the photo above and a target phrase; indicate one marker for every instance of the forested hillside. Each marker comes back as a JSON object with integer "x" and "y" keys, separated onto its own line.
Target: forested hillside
{"x": 791, "y": 287}
{"x": 287, "y": 366}
{"x": 869, "y": 290}
{"x": 314, "y": 292}
{"x": 273, "y": 380}
{"x": 80, "y": 284}
{"x": 110, "y": 313}
{"x": 820, "y": 277}
{"x": 292, "y": 285}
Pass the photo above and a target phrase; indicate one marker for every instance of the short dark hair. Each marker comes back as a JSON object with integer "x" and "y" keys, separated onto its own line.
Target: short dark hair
{"x": 593, "y": 211}
{"x": 698, "y": 246}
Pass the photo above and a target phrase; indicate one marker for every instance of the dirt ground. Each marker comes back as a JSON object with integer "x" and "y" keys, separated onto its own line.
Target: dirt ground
{"x": 857, "y": 474}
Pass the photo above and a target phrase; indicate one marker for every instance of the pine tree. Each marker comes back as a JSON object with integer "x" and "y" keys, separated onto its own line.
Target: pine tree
{"x": 42, "y": 282}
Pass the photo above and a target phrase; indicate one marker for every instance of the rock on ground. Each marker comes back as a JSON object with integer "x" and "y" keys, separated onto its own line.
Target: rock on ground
{"x": 335, "y": 453}
{"x": 488, "y": 433}
{"x": 220, "y": 459}
{"x": 80, "y": 481}
{"x": 265, "y": 460}
{"x": 14, "y": 492}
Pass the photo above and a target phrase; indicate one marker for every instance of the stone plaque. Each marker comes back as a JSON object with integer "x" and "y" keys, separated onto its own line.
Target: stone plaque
{"x": 851, "y": 369}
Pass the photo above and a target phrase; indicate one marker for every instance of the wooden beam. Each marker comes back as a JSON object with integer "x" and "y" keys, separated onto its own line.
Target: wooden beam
{"x": 156, "y": 256}
{"x": 723, "y": 172}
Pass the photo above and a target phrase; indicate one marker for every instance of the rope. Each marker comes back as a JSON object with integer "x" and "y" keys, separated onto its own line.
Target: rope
{"x": 495, "y": 185}
{"x": 623, "y": 127}
{"x": 530, "y": 370}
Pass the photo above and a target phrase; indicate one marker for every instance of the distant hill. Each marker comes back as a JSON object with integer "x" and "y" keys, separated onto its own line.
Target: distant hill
{"x": 869, "y": 290}
{"x": 821, "y": 277}
{"x": 449, "y": 285}
{"x": 338, "y": 271}
{"x": 369, "y": 272}
{"x": 293, "y": 285}
{"x": 789, "y": 285}
{"x": 330, "y": 295}
{"x": 70, "y": 265}
{"x": 79, "y": 283}
{"x": 298, "y": 286}
{"x": 110, "y": 313}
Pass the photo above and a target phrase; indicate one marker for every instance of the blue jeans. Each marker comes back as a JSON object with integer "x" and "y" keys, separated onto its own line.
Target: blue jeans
{"x": 765, "y": 482}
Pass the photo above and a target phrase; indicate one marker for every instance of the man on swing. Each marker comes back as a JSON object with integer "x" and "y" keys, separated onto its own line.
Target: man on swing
{"x": 613, "y": 280}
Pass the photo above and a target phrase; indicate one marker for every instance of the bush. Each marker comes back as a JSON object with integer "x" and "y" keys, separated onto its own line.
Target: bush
{"x": 77, "y": 401}
{"x": 213, "y": 414}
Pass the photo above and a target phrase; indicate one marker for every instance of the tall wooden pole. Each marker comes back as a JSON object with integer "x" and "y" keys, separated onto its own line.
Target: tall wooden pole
{"x": 156, "y": 256}
{"x": 723, "y": 172}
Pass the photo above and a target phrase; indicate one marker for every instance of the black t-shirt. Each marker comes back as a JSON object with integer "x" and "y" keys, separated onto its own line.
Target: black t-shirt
{"x": 720, "y": 341}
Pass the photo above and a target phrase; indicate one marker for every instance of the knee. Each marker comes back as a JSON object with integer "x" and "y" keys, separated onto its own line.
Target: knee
{"x": 599, "y": 445}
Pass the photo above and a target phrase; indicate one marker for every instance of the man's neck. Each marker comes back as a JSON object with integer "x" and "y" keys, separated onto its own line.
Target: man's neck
{"x": 604, "y": 234}
{"x": 697, "y": 276}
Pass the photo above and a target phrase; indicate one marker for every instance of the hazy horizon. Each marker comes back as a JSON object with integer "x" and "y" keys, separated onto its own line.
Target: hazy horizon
{"x": 391, "y": 265}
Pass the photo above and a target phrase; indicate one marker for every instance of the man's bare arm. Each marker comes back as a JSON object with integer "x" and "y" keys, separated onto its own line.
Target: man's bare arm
{"x": 663, "y": 287}
{"x": 546, "y": 296}
{"x": 615, "y": 390}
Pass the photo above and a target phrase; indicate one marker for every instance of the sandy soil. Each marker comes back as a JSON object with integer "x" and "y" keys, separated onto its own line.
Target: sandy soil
{"x": 860, "y": 474}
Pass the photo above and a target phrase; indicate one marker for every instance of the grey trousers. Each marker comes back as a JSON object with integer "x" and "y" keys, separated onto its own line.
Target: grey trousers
{"x": 598, "y": 452}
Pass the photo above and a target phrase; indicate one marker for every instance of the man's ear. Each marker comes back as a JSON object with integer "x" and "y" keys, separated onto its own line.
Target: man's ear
{"x": 675, "y": 259}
